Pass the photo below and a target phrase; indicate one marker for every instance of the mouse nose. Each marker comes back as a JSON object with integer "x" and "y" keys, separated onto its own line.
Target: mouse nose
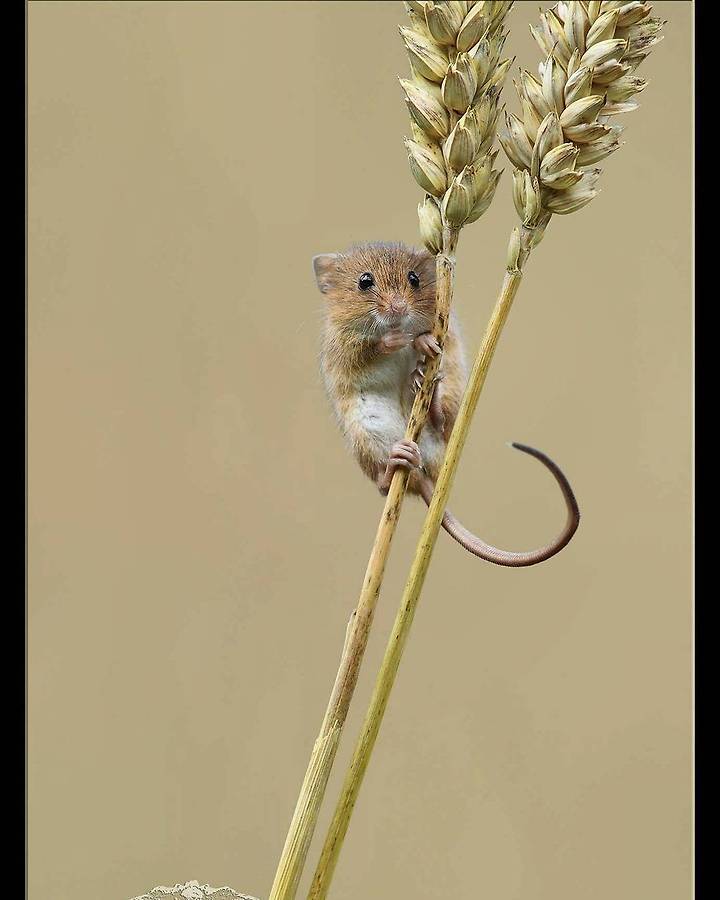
{"x": 398, "y": 306}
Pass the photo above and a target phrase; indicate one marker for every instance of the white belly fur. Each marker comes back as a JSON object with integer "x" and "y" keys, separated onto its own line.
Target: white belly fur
{"x": 383, "y": 404}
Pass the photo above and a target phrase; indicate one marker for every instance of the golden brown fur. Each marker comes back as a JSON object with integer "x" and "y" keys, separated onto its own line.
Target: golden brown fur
{"x": 370, "y": 387}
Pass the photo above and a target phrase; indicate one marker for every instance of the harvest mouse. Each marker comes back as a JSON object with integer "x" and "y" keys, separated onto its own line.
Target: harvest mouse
{"x": 379, "y": 312}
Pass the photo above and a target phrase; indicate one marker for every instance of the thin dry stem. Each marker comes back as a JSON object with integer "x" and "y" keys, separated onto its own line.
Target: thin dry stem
{"x": 304, "y": 820}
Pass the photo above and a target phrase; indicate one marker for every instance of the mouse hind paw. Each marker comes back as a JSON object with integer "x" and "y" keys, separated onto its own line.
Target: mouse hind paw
{"x": 403, "y": 455}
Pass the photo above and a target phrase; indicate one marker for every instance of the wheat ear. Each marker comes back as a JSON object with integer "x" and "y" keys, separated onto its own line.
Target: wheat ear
{"x": 565, "y": 127}
{"x": 567, "y": 36}
{"x": 452, "y": 97}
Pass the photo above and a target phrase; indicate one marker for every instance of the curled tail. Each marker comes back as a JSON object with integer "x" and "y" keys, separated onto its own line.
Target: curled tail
{"x": 505, "y": 557}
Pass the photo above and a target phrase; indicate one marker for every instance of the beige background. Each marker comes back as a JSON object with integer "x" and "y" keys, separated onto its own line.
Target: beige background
{"x": 197, "y": 534}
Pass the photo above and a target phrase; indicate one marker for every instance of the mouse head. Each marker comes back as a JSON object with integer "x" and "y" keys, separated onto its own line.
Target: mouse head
{"x": 378, "y": 286}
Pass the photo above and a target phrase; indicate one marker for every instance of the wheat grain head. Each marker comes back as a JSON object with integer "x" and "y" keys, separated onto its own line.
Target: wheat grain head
{"x": 457, "y": 75}
{"x": 592, "y": 50}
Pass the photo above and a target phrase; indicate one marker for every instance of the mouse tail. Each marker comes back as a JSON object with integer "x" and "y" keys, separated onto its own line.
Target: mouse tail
{"x": 485, "y": 551}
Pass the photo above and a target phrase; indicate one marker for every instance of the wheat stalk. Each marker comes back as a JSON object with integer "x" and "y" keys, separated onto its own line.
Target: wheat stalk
{"x": 592, "y": 50}
{"x": 452, "y": 97}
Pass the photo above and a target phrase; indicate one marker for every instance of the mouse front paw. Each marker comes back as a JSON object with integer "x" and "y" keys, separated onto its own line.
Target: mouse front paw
{"x": 427, "y": 344}
{"x": 393, "y": 341}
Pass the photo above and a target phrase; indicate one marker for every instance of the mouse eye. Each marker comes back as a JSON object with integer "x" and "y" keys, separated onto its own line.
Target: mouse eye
{"x": 365, "y": 281}
{"x": 413, "y": 279}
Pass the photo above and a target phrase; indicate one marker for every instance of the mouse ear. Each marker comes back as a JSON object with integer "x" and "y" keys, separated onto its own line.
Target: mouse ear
{"x": 325, "y": 266}
{"x": 425, "y": 255}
